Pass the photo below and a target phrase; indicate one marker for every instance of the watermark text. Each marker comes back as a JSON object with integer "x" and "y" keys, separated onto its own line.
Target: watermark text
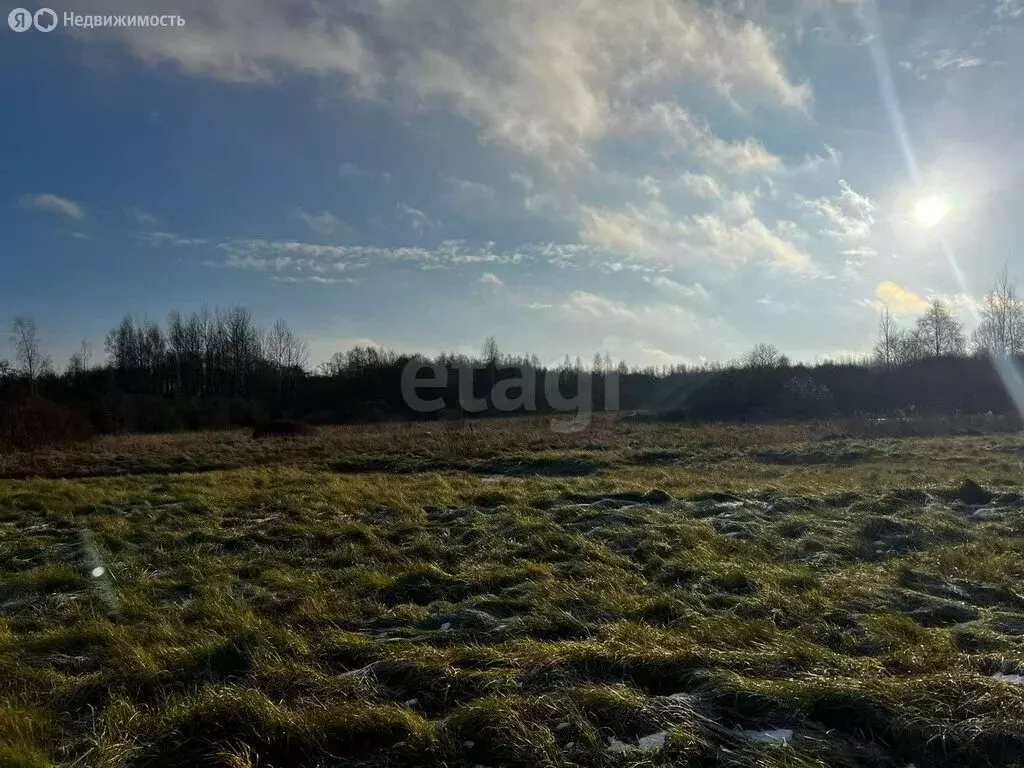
{"x": 47, "y": 19}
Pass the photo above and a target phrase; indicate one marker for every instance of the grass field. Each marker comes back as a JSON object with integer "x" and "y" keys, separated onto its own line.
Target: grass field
{"x": 495, "y": 593}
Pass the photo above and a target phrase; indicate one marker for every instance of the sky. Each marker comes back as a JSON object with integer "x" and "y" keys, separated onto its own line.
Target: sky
{"x": 668, "y": 181}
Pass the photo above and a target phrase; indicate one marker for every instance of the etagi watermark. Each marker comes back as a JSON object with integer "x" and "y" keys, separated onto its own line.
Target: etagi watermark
{"x": 512, "y": 394}
{"x": 46, "y": 20}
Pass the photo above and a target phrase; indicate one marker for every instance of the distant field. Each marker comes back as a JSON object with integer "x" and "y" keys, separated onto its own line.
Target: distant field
{"x": 495, "y": 593}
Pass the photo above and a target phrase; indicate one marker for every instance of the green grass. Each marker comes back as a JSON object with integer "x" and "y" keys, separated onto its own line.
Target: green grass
{"x": 495, "y": 593}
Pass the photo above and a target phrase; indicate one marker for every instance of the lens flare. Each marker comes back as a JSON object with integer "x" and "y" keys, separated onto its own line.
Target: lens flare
{"x": 930, "y": 211}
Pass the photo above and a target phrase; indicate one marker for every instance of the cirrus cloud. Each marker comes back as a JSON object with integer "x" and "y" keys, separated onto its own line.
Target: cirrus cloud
{"x": 54, "y": 203}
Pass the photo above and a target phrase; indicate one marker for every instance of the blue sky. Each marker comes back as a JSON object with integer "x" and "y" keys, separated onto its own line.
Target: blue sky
{"x": 666, "y": 180}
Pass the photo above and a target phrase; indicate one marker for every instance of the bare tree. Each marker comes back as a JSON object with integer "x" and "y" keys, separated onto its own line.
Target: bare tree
{"x": 490, "y": 353}
{"x": 1001, "y": 332}
{"x": 287, "y": 354}
{"x": 32, "y": 363}
{"x": 907, "y": 347}
{"x": 940, "y": 334}
{"x": 242, "y": 345}
{"x": 764, "y": 356}
{"x": 886, "y": 350}
{"x": 276, "y": 344}
{"x": 80, "y": 361}
{"x": 335, "y": 366}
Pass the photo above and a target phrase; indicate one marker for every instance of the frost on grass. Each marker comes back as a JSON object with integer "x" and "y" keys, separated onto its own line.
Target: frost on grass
{"x": 647, "y": 743}
{"x": 1013, "y": 679}
{"x": 770, "y": 736}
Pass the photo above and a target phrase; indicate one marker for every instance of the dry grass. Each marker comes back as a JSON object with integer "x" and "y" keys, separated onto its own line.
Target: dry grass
{"x": 495, "y": 593}
{"x": 456, "y": 444}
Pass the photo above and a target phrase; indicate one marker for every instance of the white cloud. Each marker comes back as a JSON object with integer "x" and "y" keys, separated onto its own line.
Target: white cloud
{"x": 702, "y": 185}
{"x": 850, "y": 216}
{"x": 585, "y": 305}
{"x": 738, "y": 206}
{"x": 489, "y": 278}
{"x": 678, "y": 290}
{"x": 469, "y": 189}
{"x": 142, "y": 217}
{"x": 301, "y": 258}
{"x": 526, "y": 182}
{"x": 467, "y": 197}
{"x": 324, "y": 222}
{"x": 731, "y": 235}
{"x": 1009, "y": 9}
{"x": 351, "y": 170}
{"x": 694, "y": 135}
{"x": 666, "y": 358}
{"x": 650, "y": 186}
{"x": 312, "y": 279}
{"x": 618, "y": 230}
{"x": 418, "y": 220}
{"x": 55, "y": 203}
{"x": 158, "y": 239}
{"x": 751, "y": 240}
{"x": 657, "y": 328}
{"x": 862, "y": 251}
{"x": 926, "y": 64}
{"x": 546, "y": 77}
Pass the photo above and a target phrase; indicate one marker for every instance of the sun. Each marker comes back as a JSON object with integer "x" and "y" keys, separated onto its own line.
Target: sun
{"x": 930, "y": 211}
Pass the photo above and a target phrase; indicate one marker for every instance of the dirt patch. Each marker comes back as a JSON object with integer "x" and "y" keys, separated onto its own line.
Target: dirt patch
{"x": 660, "y": 458}
{"x": 1010, "y": 625}
{"x": 931, "y": 612}
{"x": 971, "y": 493}
{"x": 963, "y": 590}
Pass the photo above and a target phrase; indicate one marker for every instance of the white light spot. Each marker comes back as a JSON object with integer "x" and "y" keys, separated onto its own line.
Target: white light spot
{"x": 446, "y": 626}
{"x": 98, "y": 571}
{"x": 930, "y": 211}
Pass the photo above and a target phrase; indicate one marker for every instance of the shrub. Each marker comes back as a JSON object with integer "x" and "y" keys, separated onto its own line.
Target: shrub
{"x": 283, "y": 428}
{"x": 35, "y": 423}
{"x": 804, "y": 396}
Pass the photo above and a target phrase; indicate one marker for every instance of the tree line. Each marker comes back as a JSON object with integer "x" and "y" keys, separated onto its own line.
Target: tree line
{"x": 213, "y": 369}
{"x": 937, "y": 332}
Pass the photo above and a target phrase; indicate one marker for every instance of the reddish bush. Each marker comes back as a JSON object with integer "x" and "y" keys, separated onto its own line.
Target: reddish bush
{"x": 36, "y": 422}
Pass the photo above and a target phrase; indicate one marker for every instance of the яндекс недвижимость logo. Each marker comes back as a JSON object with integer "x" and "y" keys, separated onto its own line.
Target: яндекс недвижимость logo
{"x": 22, "y": 20}
{"x": 46, "y": 20}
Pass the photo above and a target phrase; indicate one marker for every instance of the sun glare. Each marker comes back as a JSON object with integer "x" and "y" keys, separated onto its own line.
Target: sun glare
{"x": 930, "y": 211}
